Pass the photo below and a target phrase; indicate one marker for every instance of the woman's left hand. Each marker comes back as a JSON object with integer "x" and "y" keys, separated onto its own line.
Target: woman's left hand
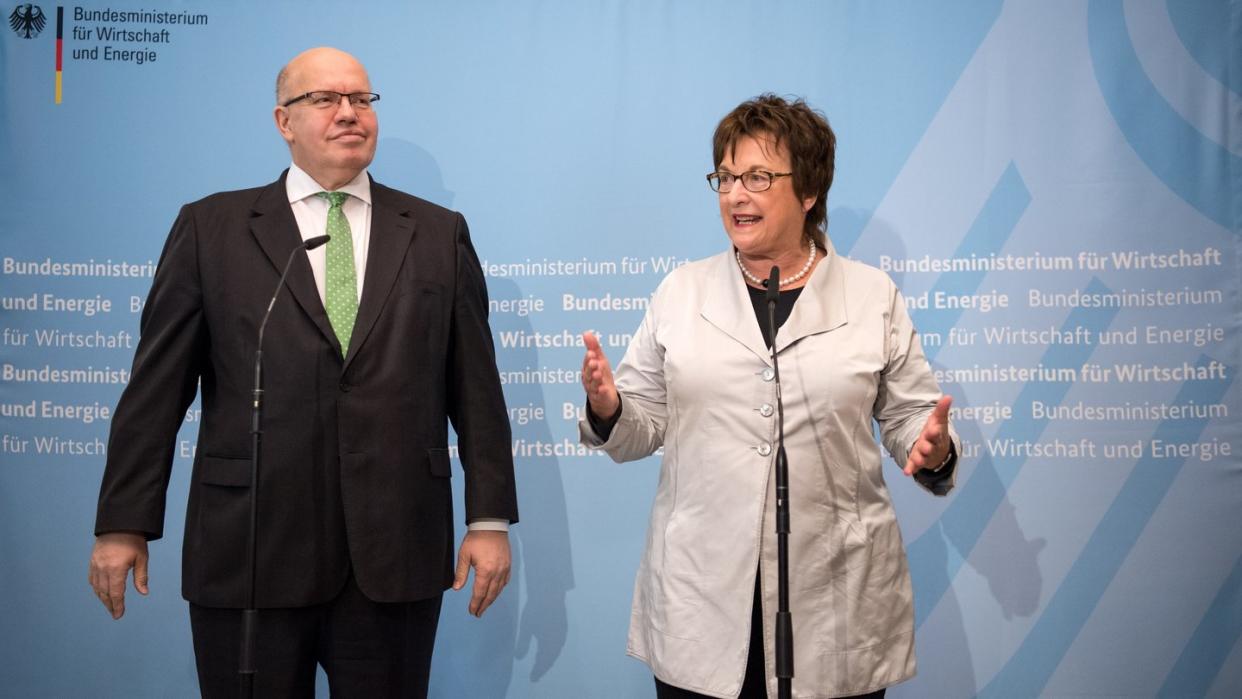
{"x": 932, "y": 447}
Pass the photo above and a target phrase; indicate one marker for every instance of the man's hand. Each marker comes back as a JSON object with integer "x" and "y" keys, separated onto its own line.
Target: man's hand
{"x": 597, "y": 379}
{"x": 932, "y": 447}
{"x": 488, "y": 553}
{"x": 115, "y": 553}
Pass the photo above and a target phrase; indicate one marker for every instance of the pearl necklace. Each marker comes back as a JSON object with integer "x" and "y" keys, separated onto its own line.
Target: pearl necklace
{"x": 810, "y": 260}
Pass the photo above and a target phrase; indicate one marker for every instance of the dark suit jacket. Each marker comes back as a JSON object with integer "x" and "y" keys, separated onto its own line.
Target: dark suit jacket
{"x": 355, "y": 466}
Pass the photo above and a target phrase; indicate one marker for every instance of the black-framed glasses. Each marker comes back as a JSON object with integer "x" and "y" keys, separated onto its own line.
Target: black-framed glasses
{"x": 325, "y": 99}
{"x": 753, "y": 181}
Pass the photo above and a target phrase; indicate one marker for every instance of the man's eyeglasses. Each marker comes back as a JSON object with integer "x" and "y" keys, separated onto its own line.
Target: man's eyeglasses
{"x": 753, "y": 181}
{"x": 327, "y": 99}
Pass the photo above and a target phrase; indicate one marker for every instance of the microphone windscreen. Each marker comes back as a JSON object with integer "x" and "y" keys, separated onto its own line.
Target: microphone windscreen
{"x": 312, "y": 243}
{"x": 774, "y": 284}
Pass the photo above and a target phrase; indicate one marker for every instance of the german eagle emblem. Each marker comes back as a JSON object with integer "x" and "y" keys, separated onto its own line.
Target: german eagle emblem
{"x": 27, "y": 20}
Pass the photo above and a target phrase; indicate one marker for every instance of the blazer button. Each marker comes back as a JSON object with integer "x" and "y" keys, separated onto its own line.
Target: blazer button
{"x": 765, "y": 410}
{"x": 768, "y": 374}
{"x": 765, "y": 449}
{"x": 345, "y": 387}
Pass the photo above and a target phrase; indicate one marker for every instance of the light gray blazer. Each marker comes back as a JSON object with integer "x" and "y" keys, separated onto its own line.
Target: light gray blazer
{"x": 697, "y": 381}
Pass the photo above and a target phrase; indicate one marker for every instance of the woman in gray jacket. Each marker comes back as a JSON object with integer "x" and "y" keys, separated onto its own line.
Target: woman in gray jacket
{"x": 697, "y": 380}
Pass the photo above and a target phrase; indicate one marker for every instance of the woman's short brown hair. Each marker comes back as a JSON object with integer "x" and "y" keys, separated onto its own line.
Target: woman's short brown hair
{"x": 807, "y": 137}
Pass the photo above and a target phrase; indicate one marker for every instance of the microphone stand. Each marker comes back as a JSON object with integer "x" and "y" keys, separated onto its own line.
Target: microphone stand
{"x": 784, "y": 620}
{"x": 250, "y": 615}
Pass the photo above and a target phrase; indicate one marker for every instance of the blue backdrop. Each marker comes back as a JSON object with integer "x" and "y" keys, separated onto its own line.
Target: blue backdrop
{"x": 1056, "y": 187}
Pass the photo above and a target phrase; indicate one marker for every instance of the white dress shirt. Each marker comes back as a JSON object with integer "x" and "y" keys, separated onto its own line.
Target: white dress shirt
{"x": 311, "y": 213}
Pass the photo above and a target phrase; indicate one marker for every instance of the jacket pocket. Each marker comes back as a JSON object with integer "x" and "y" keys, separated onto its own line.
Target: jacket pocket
{"x": 218, "y": 470}
{"x": 413, "y": 285}
{"x": 438, "y": 463}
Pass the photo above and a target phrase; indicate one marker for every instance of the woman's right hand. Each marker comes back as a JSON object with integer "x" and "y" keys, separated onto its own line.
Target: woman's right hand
{"x": 597, "y": 379}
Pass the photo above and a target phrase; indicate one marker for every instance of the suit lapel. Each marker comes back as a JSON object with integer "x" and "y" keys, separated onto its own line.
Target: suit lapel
{"x": 727, "y": 305}
{"x": 392, "y": 229}
{"x": 275, "y": 229}
{"x": 821, "y": 306}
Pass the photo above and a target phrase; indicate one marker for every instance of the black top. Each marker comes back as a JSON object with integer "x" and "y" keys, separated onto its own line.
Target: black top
{"x": 784, "y": 306}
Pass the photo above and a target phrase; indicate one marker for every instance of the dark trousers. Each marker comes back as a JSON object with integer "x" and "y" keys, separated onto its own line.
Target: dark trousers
{"x": 367, "y": 649}
{"x": 749, "y": 691}
{"x": 753, "y": 686}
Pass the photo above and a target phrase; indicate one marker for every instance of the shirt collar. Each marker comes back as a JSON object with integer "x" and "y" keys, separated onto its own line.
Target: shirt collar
{"x": 299, "y": 185}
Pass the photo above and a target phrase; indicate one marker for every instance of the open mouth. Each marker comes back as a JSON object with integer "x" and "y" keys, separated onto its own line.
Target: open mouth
{"x": 746, "y": 220}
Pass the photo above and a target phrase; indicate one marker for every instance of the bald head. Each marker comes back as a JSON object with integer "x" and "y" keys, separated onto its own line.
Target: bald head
{"x": 332, "y": 142}
{"x": 306, "y": 61}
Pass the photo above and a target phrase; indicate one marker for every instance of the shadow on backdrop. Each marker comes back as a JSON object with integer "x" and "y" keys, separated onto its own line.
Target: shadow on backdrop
{"x": 476, "y": 657}
{"x": 1004, "y": 556}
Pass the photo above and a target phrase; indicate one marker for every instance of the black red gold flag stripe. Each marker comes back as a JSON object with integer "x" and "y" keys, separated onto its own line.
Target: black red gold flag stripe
{"x": 60, "y": 48}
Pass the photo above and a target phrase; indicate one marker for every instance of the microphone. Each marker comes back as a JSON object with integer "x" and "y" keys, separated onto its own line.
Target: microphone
{"x": 312, "y": 243}
{"x": 772, "y": 292}
{"x": 246, "y": 663}
{"x": 784, "y": 620}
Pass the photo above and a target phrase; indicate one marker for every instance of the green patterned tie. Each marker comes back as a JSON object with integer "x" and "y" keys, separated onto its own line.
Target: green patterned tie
{"x": 341, "y": 283}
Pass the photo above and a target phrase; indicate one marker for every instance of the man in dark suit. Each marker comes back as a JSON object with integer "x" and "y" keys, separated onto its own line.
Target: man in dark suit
{"x": 379, "y": 340}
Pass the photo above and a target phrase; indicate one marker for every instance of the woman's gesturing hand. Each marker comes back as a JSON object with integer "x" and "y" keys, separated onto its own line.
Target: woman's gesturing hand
{"x": 932, "y": 447}
{"x": 597, "y": 379}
